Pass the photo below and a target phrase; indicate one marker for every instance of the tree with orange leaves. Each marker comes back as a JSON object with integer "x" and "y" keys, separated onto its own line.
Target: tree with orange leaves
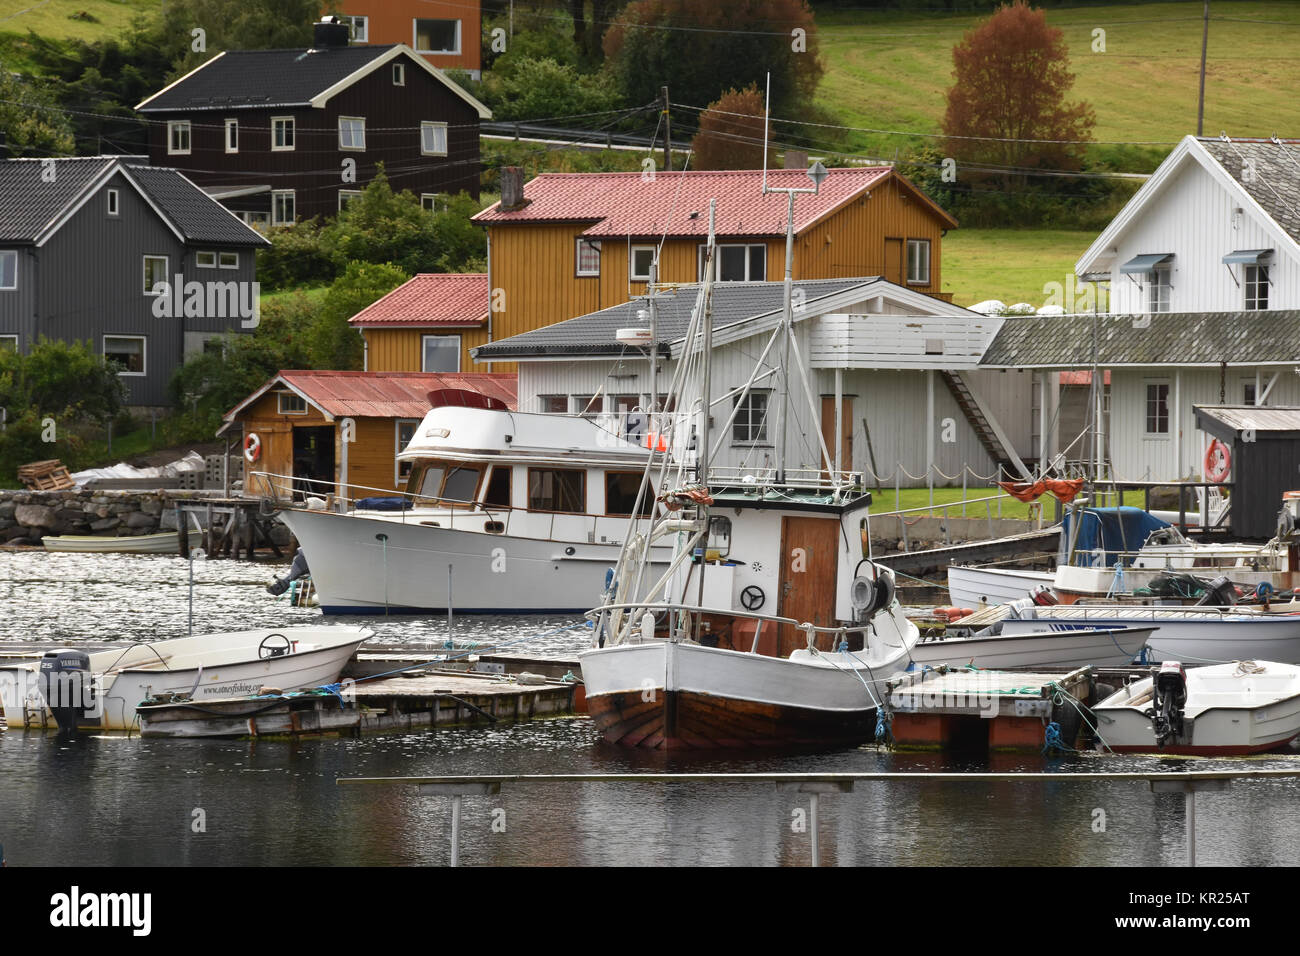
{"x": 731, "y": 132}
{"x": 1008, "y": 105}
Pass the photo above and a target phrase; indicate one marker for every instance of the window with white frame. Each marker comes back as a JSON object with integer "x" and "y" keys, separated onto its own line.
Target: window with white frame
{"x": 1248, "y": 393}
{"x": 588, "y": 406}
{"x": 290, "y": 403}
{"x": 1159, "y": 289}
{"x": 433, "y": 139}
{"x": 232, "y": 136}
{"x": 255, "y": 220}
{"x": 640, "y": 263}
{"x": 205, "y": 260}
{"x": 282, "y": 132}
{"x": 429, "y": 202}
{"x": 1157, "y": 408}
{"x": 736, "y": 262}
{"x": 228, "y": 260}
{"x": 346, "y": 196}
{"x": 8, "y": 269}
{"x": 554, "y": 404}
{"x": 399, "y": 74}
{"x": 437, "y": 36}
{"x": 403, "y": 432}
{"x": 358, "y": 28}
{"x": 128, "y": 351}
{"x": 1256, "y": 287}
{"x": 352, "y": 132}
{"x": 440, "y": 353}
{"x": 178, "y": 138}
{"x": 750, "y": 424}
{"x": 587, "y": 258}
{"x": 918, "y": 261}
{"x": 113, "y": 202}
{"x": 155, "y": 272}
{"x": 283, "y": 207}
{"x": 8, "y": 343}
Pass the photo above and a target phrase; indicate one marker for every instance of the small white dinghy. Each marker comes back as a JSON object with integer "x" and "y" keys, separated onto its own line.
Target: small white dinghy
{"x": 165, "y": 542}
{"x": 102, "y": 690}
{"x": 1222, "y": 710}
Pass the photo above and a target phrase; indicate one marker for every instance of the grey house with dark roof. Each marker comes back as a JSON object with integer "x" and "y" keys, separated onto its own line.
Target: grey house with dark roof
{"x": 902, "y": 366}
{"x": 1215, "y": 229}
{"x": 135, "y": 260}
{"x": 285, "y": 135}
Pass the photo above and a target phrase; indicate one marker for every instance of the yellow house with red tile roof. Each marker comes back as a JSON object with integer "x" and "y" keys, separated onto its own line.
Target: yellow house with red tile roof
{"x": 427, "y": 324}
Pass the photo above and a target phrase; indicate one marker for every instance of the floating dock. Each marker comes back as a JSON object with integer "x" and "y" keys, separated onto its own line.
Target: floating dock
{"x": 440, "y": 699}
{"x": 969, "y": 709}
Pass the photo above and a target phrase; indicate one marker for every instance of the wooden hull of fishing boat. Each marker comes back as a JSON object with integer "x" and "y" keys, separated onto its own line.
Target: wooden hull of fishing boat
{"x": 683, "y": 720}
{"x": 1190, "y": 635}
{"x": 1115, "y": 647}
{"x": 972, "y": 587}
{"x": 164, "y": 543}
{"x": 666, "y": 695}
{"x": 354, "y": 572}
{"x": 207, "y": 667}
{"x": 1227, "y": 713}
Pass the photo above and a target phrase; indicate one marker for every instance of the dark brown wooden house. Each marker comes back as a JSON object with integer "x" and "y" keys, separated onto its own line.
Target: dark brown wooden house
{"x": 283, "y": 135}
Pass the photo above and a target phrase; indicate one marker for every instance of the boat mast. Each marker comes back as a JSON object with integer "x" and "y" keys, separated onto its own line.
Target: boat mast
{"x": 702, "y": 458}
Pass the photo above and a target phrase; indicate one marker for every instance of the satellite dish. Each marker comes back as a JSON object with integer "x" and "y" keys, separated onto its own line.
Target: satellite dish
{"x": 817, "y": 172}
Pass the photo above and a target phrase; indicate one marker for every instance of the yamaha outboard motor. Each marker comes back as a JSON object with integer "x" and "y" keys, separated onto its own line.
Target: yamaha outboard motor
{"x": 1168, "y": 701}
{"x": 66, "y": 684}
{"x": 1044, "y": 596}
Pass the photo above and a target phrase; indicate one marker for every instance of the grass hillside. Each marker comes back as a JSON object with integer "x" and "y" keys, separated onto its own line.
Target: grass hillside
{"x": 1009, "y": 264}
{"x": 78, "y": 19}
{"x": 891, "y": 72}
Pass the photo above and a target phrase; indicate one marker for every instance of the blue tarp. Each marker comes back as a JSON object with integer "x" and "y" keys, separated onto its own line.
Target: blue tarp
{"x": 383, "y": 504}
{"x": 1114, "y": 529}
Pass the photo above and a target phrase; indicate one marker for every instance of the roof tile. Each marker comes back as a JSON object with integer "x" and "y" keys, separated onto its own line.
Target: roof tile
{"x": 430, "y": 299}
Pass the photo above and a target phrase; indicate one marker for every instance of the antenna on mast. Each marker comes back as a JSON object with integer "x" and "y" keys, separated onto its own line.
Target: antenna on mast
{"x": 767, "y": 109}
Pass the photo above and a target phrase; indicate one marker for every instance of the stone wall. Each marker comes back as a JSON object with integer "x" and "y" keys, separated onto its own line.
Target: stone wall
{"x": 28, "y": 516}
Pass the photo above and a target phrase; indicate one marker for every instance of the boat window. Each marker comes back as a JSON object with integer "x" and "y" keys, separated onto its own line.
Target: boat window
{"x": 431, "y": 481}
{"x": 557, "y": 489}
{"x": 461, "y": 483}
{"x": 498, "y": 489}
{"x": 620, "y": 494}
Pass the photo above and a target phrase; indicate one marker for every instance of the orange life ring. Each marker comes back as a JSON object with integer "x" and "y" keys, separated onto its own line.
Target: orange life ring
{"x": 1218, "y": 461}
{"x": 252, "y": 447}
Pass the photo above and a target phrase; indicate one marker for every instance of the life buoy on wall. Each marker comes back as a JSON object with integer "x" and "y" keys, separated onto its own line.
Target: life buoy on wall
{"x": 252, "y": 447}
{"x": 1218, "y": 461}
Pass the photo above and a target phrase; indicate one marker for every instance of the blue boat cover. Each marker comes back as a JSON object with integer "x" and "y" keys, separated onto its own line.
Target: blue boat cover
{"x": 383, "y": 504}
{"x": 1114, "y": 529}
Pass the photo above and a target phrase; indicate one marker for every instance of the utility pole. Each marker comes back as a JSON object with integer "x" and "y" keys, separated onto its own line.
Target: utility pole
{"x": 1205, "y": 40}
{"x": 668, "y": 133}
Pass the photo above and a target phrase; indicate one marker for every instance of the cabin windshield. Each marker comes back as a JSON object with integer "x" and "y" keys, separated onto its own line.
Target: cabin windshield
{"x": 444, "y": 482}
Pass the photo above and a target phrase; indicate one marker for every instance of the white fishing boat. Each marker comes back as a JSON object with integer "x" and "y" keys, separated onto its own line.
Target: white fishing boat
{"x": 166, "y": 542}
{"x": 1100, "y": 647}
{"x": 973, "y": 586}
{"x": 505, "y": 512}
{"x": 101, "y": 690}
{"x": 691, "y": 657}
{"x": 1232, "y": 709}
{"x": 1196, "y": 635}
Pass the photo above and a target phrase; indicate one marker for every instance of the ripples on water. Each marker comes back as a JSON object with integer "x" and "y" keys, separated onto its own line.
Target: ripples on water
{"x": 115, "y": 801}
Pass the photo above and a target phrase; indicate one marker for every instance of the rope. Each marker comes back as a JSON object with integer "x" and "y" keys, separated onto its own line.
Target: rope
{"x": 1060, "y": 696}
{"x": 1052, "y": 740}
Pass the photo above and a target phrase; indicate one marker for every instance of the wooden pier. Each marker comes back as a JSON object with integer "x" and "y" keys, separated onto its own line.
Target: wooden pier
{"x": 231, "y": 526}
{"x": 444, "y": 699}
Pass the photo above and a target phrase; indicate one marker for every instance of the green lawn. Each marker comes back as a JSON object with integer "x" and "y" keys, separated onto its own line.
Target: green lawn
{"x": 891, "y": 71}
{"x": 885, "y": 500}
{"x": 83, "y": 19}
{"x": 1013, "y": 265}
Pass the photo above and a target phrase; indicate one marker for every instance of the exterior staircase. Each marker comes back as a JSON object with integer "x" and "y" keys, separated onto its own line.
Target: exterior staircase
{"x": 987, "y": 434}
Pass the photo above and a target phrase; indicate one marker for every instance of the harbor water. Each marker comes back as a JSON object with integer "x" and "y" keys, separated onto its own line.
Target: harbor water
{"x": 116, "y": 801}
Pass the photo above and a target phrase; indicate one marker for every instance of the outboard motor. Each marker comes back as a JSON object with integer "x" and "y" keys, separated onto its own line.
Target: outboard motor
{"x": 1043, "y": 596}
{"x": 1022, "y": 610}
{"x": 1168, "y": 701}
{"x": 67, "y": 686}
{"x": 1218, "y": 593}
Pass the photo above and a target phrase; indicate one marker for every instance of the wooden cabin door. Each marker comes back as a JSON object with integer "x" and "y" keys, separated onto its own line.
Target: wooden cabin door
{"x": 894, "y": 261}
{"x": 809, "y": 559}
{"x": 846, "y": 431}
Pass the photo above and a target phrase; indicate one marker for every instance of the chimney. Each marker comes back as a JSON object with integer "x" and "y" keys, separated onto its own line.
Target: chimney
{"x": 796, "y": 159}
{"x": 512, "y": 188}
{"x": 330, "y": 34}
